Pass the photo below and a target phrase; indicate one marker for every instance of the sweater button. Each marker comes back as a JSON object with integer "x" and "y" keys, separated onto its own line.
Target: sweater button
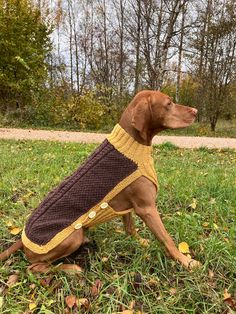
{"x": 78, "y": 226}
{"x": 92, "y": 214}
{"x": 104, "y": 205}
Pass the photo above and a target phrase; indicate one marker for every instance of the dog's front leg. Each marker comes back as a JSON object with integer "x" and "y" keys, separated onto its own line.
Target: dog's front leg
{"x": 152, "y": 219}
{"x": 129, "y": 226}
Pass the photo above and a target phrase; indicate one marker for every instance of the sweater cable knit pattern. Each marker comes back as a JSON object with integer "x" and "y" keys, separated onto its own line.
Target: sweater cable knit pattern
{"x": 82, "y": 199}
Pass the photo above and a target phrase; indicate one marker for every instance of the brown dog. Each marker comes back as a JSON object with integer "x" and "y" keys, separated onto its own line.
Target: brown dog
{"x": 148, "y": 113}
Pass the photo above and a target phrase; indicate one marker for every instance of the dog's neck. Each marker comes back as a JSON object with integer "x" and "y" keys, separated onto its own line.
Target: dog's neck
{"x": 126, "y": 123}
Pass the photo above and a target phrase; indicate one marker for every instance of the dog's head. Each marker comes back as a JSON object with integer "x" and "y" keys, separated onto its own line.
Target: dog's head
{"x": 153, "y": 111}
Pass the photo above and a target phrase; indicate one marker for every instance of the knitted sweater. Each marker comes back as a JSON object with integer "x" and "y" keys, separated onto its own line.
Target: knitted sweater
{"x": 82, "y": 199}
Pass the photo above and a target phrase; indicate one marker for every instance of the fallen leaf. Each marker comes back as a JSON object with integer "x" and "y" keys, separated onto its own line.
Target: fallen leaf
{"x": 144, "y": 242}
{"x": 15, "y": 230}
{"x": 119, "y": 230}
{"x": 228, "y": 299}
{"x": 45, "y": 281}
{"x": 183, "y": 247}
{"x": 32, "y": 286}
{"x": 73, "y": 269}
{"x": 1, "y": 302}
{"x": 96, "y": 288}
{"x": 104, "y": 259}
{"x": 205, "y": 224}
{"x": 32, "y": 306}
{"x": 132, "y": 305}
{"x": 70, "y": 301}
{"x": 211, "y": 280}
{"x": 215, "y": 226}
{"x": 9, "y": 224}
{"x": 172, "y": 291}
{"x": 193, "y": 205}
{"x": 227, "y": 295}
{"x": 12, "y": 280}
{"x": 127, "y": 312}
{"x": 211, "y": 274}
{"x": 83, "y": 302}
{"x": 153, "y": 282}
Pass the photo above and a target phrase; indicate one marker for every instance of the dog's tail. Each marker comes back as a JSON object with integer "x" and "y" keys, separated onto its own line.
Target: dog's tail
{"x": 12, "y": 249}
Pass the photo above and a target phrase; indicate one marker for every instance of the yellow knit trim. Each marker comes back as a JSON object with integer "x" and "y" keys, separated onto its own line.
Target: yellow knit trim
{"x": 140, "y": 154}
{"x": 102, "y": 215}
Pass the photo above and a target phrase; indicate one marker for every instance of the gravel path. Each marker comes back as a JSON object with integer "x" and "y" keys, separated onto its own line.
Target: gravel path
{"x": 68, "y": 136}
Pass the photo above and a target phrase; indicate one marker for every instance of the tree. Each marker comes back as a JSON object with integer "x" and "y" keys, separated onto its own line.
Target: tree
{"x": 24, "y": 47}
{"x": 215, "y": 45}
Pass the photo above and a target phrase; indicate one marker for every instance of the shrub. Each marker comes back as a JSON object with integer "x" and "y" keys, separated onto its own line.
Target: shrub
{"x": 84, "y": 111}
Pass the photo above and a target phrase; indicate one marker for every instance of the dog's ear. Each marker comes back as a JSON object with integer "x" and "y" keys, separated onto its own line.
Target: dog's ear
{"x": 141, "y": 116}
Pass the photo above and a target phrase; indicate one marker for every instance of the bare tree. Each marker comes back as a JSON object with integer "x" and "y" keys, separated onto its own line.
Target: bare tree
{"x": 215, "y": 64}
{"x": 180, "y": 52}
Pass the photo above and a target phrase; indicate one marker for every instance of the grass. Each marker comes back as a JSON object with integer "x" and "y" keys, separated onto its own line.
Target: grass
{"x": 142, "y": 278}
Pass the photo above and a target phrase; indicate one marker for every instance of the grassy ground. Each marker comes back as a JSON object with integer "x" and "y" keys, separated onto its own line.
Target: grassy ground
{"x": 197, "y": 202}
{"x": 223, "y": 129}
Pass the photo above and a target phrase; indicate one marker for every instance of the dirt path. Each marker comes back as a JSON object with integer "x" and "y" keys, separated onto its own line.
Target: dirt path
{"x": 67, "y": 136}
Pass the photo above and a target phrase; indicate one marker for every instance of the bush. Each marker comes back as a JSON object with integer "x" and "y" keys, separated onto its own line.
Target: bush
{"x": 83, "y": 111}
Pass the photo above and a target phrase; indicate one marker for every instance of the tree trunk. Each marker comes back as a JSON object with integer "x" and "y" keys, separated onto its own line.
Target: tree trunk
{"x": 180, "y": 55}
{"x": 137, "y": 50}
{"x": 71, "y": 45}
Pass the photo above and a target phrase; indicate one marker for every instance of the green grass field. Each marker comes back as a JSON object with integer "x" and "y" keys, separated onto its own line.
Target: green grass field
{"x": 198, "y": 206}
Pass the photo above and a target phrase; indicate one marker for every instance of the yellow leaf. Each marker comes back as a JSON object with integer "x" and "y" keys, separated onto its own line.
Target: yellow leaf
{"x": 215, "y": 226}
{"x": 205, "y": 224}
{"x": 183, "y": 247}
{"x": 119, "y": 230}
{"x": 9, "y": 224}
{"x": 1, "y": 302}
{"x": 32, "y": 306}
{"x": 227, "y": 295}
{"x": 193, "y": 205}
{"x": 15, "y": 231}
{"x": 144, "y": 242}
